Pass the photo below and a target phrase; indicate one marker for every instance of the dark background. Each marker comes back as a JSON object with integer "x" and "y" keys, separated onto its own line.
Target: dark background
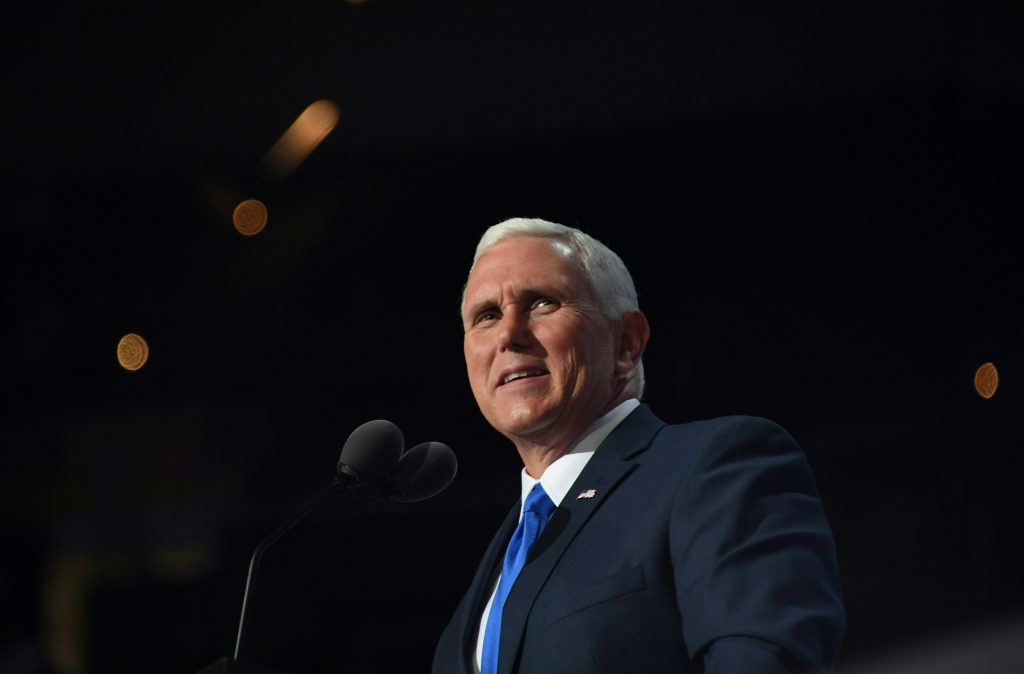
{"x": 820, "y": 206}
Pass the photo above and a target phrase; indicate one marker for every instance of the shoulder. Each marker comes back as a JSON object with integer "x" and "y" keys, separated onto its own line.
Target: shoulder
{"x": 745, "y": 434}
{"x": 730, "y": 448}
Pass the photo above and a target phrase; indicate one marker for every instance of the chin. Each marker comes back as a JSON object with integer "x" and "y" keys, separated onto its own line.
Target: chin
{"x": 524, "y": 421}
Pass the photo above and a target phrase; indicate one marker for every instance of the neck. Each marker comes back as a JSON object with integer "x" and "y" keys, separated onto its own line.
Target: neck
{"x": 540, "y": 452}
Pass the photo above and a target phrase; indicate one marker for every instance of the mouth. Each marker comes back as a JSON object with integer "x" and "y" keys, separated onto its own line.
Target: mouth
{"x": 519, "y": 375}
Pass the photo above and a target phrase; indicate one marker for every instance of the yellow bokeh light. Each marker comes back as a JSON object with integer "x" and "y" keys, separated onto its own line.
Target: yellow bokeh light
{"x": 132, "y": 352}
{"x": 301, "y": 138}
{"x": 986, "y": 380}
{"x": 250, "y": 217}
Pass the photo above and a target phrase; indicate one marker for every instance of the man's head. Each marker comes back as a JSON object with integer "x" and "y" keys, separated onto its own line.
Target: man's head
{"x": 553, "y": 335}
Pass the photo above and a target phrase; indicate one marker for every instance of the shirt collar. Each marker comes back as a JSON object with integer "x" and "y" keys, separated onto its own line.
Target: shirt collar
{"x": 559, "y": 477}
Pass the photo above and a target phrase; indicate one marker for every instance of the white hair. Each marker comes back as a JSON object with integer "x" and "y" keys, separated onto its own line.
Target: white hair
{"x": 605, "y": 271}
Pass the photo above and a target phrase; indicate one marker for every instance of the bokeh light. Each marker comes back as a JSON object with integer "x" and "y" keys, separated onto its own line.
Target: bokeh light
{"x": 986, "y": 380}
{"x": 250, "y": 217}
{"x": 301, "y": 138}
{"x": 132, "y": 352}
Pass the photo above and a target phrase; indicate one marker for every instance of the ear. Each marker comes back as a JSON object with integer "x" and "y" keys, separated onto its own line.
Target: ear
{"x": 632, "y": 341}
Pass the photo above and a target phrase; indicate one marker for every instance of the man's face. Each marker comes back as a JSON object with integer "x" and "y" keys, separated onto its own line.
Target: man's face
{"x": 539, "y": 352}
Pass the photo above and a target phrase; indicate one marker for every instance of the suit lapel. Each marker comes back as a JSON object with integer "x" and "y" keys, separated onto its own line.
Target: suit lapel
{"x": 476, "y": 596}
{"x": 611, "y": 463}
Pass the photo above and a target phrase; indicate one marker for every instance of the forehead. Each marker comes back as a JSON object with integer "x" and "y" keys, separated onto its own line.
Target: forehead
{"x": 521, "y": 263}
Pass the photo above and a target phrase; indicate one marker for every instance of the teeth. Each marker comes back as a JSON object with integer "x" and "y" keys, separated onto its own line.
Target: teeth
{"x": 516, "y": 375}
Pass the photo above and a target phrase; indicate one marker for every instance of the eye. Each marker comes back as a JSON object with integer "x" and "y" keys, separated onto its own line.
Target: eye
{"x": 545, "y": 305}
{"x": 486, "y": 316}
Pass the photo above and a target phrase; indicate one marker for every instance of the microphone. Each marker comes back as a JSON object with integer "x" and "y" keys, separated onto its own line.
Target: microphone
{"x": 424, "y": 471}
{"x": 369, "y": 453}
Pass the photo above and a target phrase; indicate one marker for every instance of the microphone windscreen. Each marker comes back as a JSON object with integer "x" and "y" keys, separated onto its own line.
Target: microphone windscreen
{"x": 424, "y": 471}
{"x": 371, "y": 451}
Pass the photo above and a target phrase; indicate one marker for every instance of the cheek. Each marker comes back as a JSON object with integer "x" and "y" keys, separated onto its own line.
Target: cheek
{"x": 477, "y": 363}
{"x": 566, "y": 352}
{"x": 584, "y": 354}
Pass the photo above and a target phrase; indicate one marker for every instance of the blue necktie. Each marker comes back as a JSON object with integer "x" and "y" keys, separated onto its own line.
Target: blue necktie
{"x": 536, "y": 511}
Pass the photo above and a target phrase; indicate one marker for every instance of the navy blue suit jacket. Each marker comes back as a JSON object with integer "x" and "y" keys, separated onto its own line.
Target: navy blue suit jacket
{"x": 705, "y": 546}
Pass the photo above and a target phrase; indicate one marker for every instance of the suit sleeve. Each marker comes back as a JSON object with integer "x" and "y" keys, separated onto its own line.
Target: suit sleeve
{"x": 753, "y": 556}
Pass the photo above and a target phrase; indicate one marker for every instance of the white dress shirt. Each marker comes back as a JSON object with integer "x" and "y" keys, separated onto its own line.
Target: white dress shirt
{"x": 557, "y": 479}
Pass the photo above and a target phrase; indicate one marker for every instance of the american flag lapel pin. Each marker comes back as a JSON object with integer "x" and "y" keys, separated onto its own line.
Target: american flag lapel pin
{"x": 590, "y": 493}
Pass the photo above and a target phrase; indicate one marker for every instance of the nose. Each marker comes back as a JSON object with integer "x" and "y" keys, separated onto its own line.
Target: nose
{"x": 514, "y": 332}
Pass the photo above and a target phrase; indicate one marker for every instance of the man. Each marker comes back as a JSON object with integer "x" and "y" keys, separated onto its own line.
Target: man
{"x": 637, "y": 546}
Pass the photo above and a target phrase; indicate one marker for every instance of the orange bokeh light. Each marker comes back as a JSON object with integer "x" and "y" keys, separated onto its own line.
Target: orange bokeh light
{"x": 132, "y": 352}
{"x": 250, "y": 217}
{"x": 986, "y": 380}
{"x": 301, "y": 138}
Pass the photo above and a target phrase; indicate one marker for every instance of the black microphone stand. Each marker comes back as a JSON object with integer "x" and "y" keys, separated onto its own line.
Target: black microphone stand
{"x": 420, "y": 473}
{"x": 250, "y": 588}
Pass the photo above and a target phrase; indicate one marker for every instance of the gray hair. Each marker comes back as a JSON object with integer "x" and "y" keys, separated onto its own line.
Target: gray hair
{"x": 605, "y": 271}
